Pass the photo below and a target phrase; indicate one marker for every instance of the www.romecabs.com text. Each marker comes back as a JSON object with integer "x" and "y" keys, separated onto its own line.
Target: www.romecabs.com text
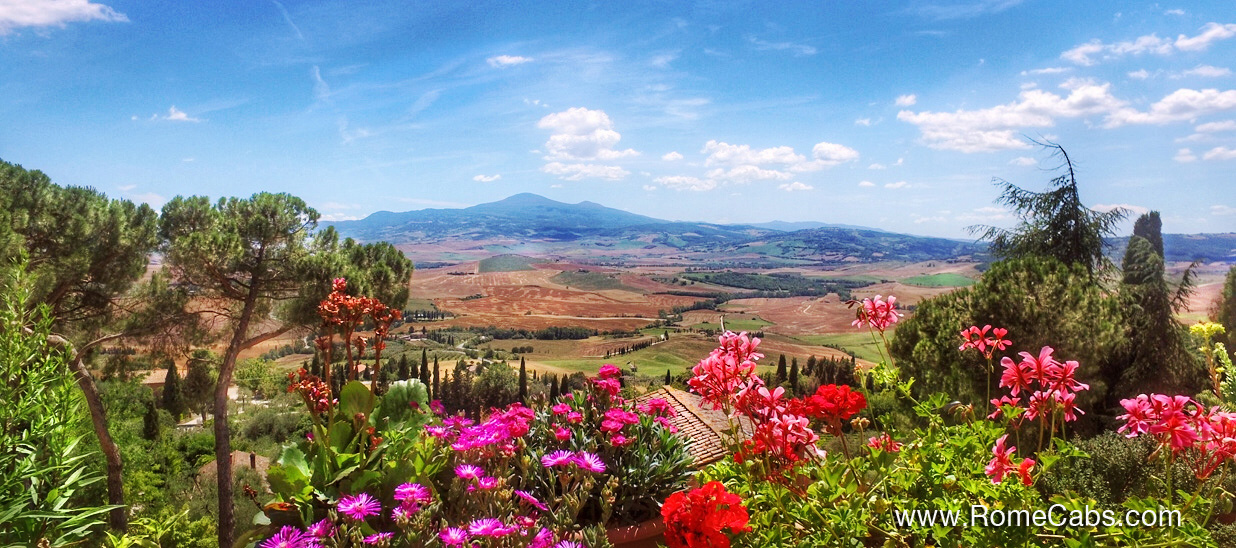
{"x": 1055, "y": 515}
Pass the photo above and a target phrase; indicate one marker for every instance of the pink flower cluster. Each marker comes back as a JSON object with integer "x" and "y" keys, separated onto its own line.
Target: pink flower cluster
{"x": 660, "y": 411}
{"x": 728, "y": 370}
{"x": 499, "y": 434}
{"x": 1001, "y": 464}
{"x": 1051, "y": 385}
{"x": 884, "y": 442}
{"x": 617, "y": 418}
{"x": 985, "y": 339}
{"x": 1206, "y": 437}
{"x": 608, "y": 380}
{"x": 877, "y": 313}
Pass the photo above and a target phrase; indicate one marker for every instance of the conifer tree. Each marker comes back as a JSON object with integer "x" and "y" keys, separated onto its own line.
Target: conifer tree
{"x": 811, "y": 365}
{"x": 553, "y": 388}
{"x": 437, "y": 392}
{"x": 523, "y": 381}
{"x": 782, "y": 374}
{"x": 173, "y": 398}
{"x": 150, "y": 421}
{"x": 404, "y": 372}
{"x": 668, "y": 380}
{"x": 793, "y": 376}
{"x": 424, "y": 367}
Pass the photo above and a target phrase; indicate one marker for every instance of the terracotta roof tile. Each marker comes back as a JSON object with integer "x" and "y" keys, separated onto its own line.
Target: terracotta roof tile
{"x": 700, "y": 427}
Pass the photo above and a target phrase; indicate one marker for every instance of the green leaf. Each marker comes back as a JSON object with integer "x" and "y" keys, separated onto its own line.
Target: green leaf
{"x": 355, "y": 399}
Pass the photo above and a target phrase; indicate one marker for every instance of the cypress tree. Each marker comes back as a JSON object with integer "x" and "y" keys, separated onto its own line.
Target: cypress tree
{"x": 668, "y": 380}
{"x": 794, "y": 376}
{"x": 781, "y": 371}
{"x": 437, "y": 394}
{"x": 173, "y": 399}
{"x": 424, "y": 367}
{"x": 150, "y": 422}
{"x": 404, "y": 372}
{"x": 553, "y": 388}
{"x": 315, "y": 365}
{"x": 523, "y": 381}
{"x": 811, "y": 365}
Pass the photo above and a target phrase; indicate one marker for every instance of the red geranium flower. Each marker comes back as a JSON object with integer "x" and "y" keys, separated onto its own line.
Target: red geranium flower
{"x": 697, "y": 519}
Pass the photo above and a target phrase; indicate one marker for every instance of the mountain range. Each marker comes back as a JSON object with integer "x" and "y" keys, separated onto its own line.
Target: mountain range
{"x": 534, "y": 225}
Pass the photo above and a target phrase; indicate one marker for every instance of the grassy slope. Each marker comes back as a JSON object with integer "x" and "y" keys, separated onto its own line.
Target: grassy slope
{"x": 946, "y": 279}
{"x": 506, "y": 263}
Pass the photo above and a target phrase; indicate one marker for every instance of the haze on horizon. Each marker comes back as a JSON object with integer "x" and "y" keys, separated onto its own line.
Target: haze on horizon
{"x": 895, "y": 117}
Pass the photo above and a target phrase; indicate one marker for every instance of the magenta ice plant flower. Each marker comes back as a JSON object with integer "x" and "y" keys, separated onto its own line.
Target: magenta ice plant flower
{"x": 453, "y": 536}
{"x": 412, "y": 492}
{"x": 469, "y": 471}
{"x": 359, "y": 507}
{"x": 289, "y": 537}
{"x": 557, "y": 458}
{"x": 378, "y": 538}
{"x": 590, "y": 462}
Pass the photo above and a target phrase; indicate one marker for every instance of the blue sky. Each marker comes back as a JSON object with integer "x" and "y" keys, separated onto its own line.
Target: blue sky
{"x": 887, "y": 114}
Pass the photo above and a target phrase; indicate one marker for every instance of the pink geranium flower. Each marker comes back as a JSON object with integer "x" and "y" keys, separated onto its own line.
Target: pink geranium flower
{"x": 1017, "y": 376}
{"x": 1001, "y": 463}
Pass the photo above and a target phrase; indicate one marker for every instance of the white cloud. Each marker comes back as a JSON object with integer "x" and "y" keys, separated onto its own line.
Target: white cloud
{"x": 321, "y": 90}
{"x": 1207, "y": 71}
{"x": 1174, "y": 12}
{"x": 155, "y": 201}
{"x": 746, "y": 174}
{"x": 176, "y": 115}
{"x": 16, "y": 14}
{"x": 577, "y": 172}
{"x": 866, "y": 184}
{"x": 1213, "y": 127}
{"x": 126, "y": 188}
{"x": 487, "y": 178}
{"x": 1092, "y": 52}
{"x": 876, "y": 166}
{"x": 798, "y": 50}
{"x": 1182, "y": 104}
{"x": 1134, "y": 209}
{"x": 1210, "y": 33}
{"x": 831, "y": 154}
{"x": 937, "y": 219}
{"x": 1023, "y": 161}
{"x": 794, "y": 186}
{"x": 663, "y": 61}
{"x": 863, "y": 122}
{"x": 336, "y": 217}
{"x": 998, "y": 127}
{"x": 649, "y": 188}
{"x": 906, "y": 100}
{"x": 898, "y": 184}
{"x": 1184, "y": 156}
{"x": 503, "y": 61}
{"x": 581, "y": 134}
{"x": 1140, "y": 74}
{"x": 671, "y": 156}
{"x": 1220, "y": 153}
{"x": 1222, "y": 210}
{"x": 1045, "y": 70}
{"x": 721, "y": 153}
{"x": 680, "y": 182}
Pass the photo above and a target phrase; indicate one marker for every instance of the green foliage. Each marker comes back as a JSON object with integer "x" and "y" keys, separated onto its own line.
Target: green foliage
{"x": 1156, "y": 355}
{"x": 1225, "y": 313}
{"x": 199, "y": 385}
{"x": 947, "y": 279}
{"x": 1041, "y": 301}
{"x": 167, "y": 529}
{"x": 496, "y": 386}
{"x": 1054, "y": 223}
{"x": 84, "y": 249}
{"x": 173, "y": 396}
{"x": 43, "y": 465}
{"x": 259, "y": 376}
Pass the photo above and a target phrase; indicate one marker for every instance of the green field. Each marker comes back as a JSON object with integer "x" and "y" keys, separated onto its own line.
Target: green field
{"x": 507, "y": 263}
{"x": 858, "y": 343}
{"x": 589, "y": 281}
{"x": 947, "y": 279}
{"x": 736, "y": 323}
